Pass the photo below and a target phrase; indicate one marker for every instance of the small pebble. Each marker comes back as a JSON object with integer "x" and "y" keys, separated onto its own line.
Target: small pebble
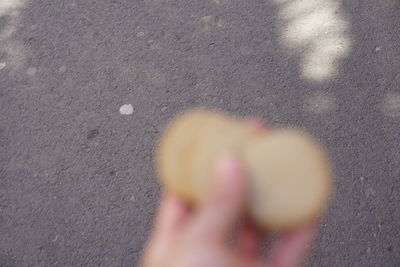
{"x": 140, "y": 34}
{"x": 2, "y": 65}
{"x": 378, "y": 48}
{"x": 62, "y": 69}
{"x": 31, "y": 71}
{"x": 126, "y": 109}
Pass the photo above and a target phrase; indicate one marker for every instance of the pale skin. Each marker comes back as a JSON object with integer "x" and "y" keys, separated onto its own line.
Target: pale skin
{"x": 188, "y": 237}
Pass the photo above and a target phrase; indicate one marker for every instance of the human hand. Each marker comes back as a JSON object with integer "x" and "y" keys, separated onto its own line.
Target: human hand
{"x": 198, "y": 238}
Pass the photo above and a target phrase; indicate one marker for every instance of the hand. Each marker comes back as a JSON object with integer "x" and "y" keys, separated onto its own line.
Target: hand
{"x": 198, "y": 238}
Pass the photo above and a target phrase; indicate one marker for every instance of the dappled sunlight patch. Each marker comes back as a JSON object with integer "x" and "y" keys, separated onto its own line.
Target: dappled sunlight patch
{"x": 8, "y": 7}
{"x": 13, "y": 50}
{"x": 318, "y": 33}
{"x": 15, "y": 53}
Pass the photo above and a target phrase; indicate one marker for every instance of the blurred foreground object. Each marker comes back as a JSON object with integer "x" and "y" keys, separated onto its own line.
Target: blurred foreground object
{"x": 289, "y": 174}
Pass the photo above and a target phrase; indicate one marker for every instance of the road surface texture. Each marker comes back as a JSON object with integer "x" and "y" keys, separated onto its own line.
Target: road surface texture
{"x": 77, "y": 182}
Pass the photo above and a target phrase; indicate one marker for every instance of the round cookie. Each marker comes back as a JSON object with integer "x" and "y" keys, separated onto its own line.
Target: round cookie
{"x": 290, "y": 179}
{"x": 175, "y": 151}
{"x": 189, "y": 147}
{"x": 223, "y": 135}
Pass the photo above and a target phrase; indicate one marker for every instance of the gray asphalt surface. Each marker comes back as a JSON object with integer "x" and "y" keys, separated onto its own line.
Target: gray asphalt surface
{"x": 77, "y": 184}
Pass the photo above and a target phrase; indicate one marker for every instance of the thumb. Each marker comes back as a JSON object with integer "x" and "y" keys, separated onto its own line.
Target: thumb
{"x": 217, "y": 217}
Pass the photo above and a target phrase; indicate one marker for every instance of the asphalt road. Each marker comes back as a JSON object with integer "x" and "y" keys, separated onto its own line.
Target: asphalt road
{"x": 77, "y": 183}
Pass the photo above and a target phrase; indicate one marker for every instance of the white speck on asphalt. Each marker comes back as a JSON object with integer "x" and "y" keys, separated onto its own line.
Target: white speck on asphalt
{"x": 62, "y": 69}
{"x": 163, "y": 109}
{"x": 31, "y": 71}
{"x": 140, "y": 34}
{"x": 132, "y": 198}
{"x": 2, "y": 65}
{"x": 126, "y": 109}
{"x": 378, "y": 48}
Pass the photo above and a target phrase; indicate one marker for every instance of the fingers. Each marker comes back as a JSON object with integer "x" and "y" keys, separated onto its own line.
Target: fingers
{"x": 172, "y": 212}
{"x": 249, "y": 242}
{"x": 215, "y": 219}
{"x": 293, "y": 248}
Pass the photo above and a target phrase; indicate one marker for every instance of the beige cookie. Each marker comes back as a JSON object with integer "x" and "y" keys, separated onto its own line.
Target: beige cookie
{"x": 174, "y": 152}
{"x": 290, "y": 179}
{"x": 189, "y": 147}
{"x": 222, "y": 136}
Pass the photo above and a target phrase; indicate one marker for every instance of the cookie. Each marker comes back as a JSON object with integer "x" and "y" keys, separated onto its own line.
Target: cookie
{"x": 223, "y": 135}
{"x": 175, "y": 150}
{"x": 290, "y": 179}
{"x": 189, "y": 147}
